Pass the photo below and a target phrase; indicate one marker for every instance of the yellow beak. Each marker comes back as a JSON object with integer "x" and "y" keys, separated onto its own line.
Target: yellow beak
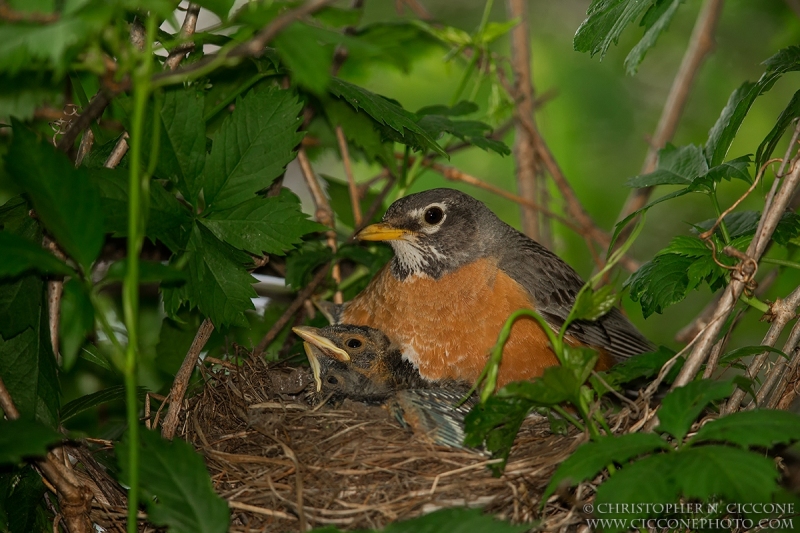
{"x": 383, "y": 232}
{"x": 312, "y": 336}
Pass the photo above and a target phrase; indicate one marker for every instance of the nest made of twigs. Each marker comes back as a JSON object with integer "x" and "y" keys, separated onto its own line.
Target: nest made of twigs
{"x": 284, "y": 465}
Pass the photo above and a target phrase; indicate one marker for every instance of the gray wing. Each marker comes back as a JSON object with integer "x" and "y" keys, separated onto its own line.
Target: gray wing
{"x": 554, "y": 285}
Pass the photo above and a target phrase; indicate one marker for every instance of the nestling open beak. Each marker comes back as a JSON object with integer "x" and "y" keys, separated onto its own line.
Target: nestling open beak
{"x": 312, "y": 336}
{"x": 383, "y": 232}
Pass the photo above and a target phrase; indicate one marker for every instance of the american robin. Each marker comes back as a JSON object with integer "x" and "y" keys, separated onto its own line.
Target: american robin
{"x": 360, "y": 363}
{"x": 457, "y": 275}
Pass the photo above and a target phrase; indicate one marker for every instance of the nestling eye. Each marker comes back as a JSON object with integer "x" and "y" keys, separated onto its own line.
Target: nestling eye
{"x": 353, "y": 343}
{"x": 332, "y": 380}
{"x": 434, "y": 215}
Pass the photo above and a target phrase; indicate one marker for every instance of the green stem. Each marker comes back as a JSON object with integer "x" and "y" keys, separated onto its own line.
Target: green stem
{"x": 755, "y": 303}
{"x": 781, "y": 262}
{"x": 725, "y": 235}
{"x": 473, "y": 61}
{"x": 568, "y": 417}
{"x": 107, "y": 329}
{"x": 138, "y": 193}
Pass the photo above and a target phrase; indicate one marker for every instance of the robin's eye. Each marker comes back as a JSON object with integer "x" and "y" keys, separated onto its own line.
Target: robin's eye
{"x": 332, "y": 380}
{"x": 353, "y": 343}
{"x": 434, "y": 215}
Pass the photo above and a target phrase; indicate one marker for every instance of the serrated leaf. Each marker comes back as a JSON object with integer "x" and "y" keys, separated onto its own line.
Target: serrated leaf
{"x": 24, "y": 502}
{"x": 770, "y": 142}
{"x": 149, "y": 272}
{"x": 469, "y": 131}
{"x": 455, "y": 520}
{"x": 21, "y": 255}
{"x": 593, "y": 304}
{"x": 647, "y": 480}
{"x": 84, "y": 403}
{"x": 495, "y": 424}
{"x": 495, "y": 30}
{"x": 262, "y": 225}
{"x": 25, "y": 438}
{"x": 25, "y": 45}
{"x": 785, "y": 60}
{"x": 308, "y": 60}
{"x": 387, "y": 113}
{"x": 592, "y": 457}
{"x": 643, "y": 365}
{"x": 681, "y": 407}
{"x": 28, "y": 368}
{"x": 724, "y": 472}
{"x": 461, "y": 108}
{"x": 218, "y": 285}
{"x": 605, "y": 22}
{"x": 183, "y": 142}
{"x": 252, "y": 148}
{"x": 686, "y": 246}
{"x": 92, "y": 353}
{"x": 764, "y": 428}
{"x": 676, "y": 166}
{"x": 64, "y": 199}
{"x": 77, "y": 321}
{"x": 660, "y": 283}
{"x": 360, "y": 130}
{"x": 733, "y": 169}
{"x": 656, "y": 20}
{"x": 177, "y": 485}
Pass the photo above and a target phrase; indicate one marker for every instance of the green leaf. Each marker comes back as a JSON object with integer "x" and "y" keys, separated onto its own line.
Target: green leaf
{"x": 682, "y": 406}
{"x": 656, "y": 20}
{"x": 770, "y": 142}
{"x": 339, "y": 193}
{"x": 20, "y": 255}
{"x": 622, "y": 224}
{"x": 387, "y": 113}
{"x": 647, "y": 480}
{"x": 77, "y": 321}
{"x": 593, "y": 304}
{"x": 23, "y": 46}
{"x": 469, "y": 131}
{"x": 676, "y": 166}
{"x": 764, "y": 428}
{"x": 218, "y": 285}
{"x": 177, "y": 485}
{"x": 84, "y": 403}
{"x": 25, "y": 438}
{"x": 24, "y": 503}
{"x": 460, "y": 109}
{"x": 605, "y": 21}
{"x": 183, "y": 142}
{"x": 592, "y": 457}
{"x": 63, "y": 197}
{"x": 360, "y": 130}
{"x": 455, "y": 520}
{"x": 496, "y": 423}
{"x": 252, "y": 148}
{"x": 495, "y": 30}
{"x": 725, "y": 472}
{"x": 785, "y": 60}
{"x": 93, "y": 354}
{"x": 308, "y": 60}
{"x": 28, "y": 368}
{"x": 220, "y": 8}
{"x": 23, "y": 94}
{"x": 746, "y": 351}
{"x": 149, "y": 272}
{"x": 262, "y": 225}
{"x": 733, "y": 169}
{"x": 301, "y": 264}
{"x": 660, "y": 283}
{"x": 557, "y": 384}
{"x": 644, "y": 365}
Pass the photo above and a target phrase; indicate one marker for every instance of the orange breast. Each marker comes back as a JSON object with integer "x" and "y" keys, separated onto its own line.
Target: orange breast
{"x": 447, "y": 326}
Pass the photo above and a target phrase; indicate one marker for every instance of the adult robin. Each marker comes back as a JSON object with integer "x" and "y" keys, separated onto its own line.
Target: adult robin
{"x": 458, "y": 273}
{"x": 361, "y": 364}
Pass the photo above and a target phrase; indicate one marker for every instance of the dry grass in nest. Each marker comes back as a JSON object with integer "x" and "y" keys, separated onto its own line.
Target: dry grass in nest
{"x": 286, "y": 466}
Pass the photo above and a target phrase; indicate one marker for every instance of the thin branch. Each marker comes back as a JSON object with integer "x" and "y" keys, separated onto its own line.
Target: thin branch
{"x": 775, "y": 376}
{"x": 55, "y": 289}
{"x": 119, "y": 151}
{"x": 355, "y": 198}
{"x": 701, "y": 43}
{"x": 181, "y": 382}
{"x": 91, "y": 113}
{"x": 528, "y": 172}
{"x": 782, "y": 312}
{"x": 177, "y": 54}
{"x": 767, "y": 224}
{"x": 323, "y": 213}
{"x": 295, "y": 306}
{"x": 85, "y": 147}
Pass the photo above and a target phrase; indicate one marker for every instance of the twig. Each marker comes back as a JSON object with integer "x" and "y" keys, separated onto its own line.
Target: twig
{"x": 55, "y": 289}
{"x": 260, "y": 510}
{"x": 187, "y": 30}
{"x": 181, "y": 382}
{"x": 767, "y": 224}
{"x": 92, "y": 111}
{"x": 75, "y": 498}
{"x": 86, "y": 145}
{"x": 701, "y": 43}
{"x": 782, "y": 311}
{"x": 355, "y": 198}
{"x": 784, "y": 399}
{"x": 302, "y": 296}
{"x": 525, "y": 154}
{"x": 119, "y": 151}
{"x": 323, "y": 213}
{"x": 778, "y": 371}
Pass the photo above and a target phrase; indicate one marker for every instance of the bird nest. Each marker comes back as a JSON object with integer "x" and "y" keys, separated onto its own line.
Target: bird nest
{"x": 284, "y": 465}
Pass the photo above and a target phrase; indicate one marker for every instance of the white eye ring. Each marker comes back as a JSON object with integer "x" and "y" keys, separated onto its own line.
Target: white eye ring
{"x": 434, "y": 215}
